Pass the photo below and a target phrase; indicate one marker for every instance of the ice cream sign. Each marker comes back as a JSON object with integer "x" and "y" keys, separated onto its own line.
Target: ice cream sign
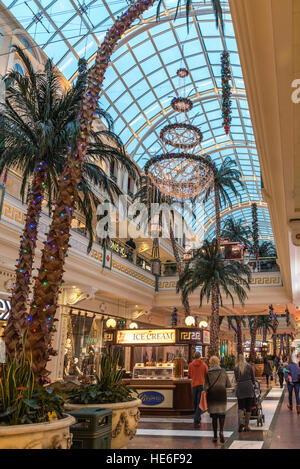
{"x": 140, "y": 337}
{"x": 5, "y": 309}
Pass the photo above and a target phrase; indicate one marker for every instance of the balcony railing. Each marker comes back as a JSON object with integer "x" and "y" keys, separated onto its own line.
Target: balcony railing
{"x": 264, "y": 264}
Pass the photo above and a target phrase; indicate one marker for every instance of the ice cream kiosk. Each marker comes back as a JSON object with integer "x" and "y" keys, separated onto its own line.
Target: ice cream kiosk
{"x": 161, "y": 383}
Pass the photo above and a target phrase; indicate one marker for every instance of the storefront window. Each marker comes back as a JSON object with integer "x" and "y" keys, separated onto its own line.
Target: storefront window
{"x": 83, "y": 345}
{"x": 223, "y": 348}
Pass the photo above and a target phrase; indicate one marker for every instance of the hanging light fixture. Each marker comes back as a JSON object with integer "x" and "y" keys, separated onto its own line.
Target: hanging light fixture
{"x": 203, "y": 325}
{"x": 133, "y": 325}
{"x": 190, "y": 321}
{"x": 111, "y": 323}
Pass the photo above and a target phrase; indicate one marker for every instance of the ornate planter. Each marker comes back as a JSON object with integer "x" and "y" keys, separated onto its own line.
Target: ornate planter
{"x": 125, "y": 418}
{"x": 49, "y": 435}
{"x": 258, "y": 369}
{"x": 231, "y": 377}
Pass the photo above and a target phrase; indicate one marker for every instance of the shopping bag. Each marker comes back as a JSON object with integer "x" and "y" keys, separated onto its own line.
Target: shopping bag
{"x": 203, "y": 402}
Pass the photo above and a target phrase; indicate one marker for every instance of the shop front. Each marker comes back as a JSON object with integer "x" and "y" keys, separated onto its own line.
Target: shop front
{"x": 4, "y": 315}
{"x": 159, "y": 361}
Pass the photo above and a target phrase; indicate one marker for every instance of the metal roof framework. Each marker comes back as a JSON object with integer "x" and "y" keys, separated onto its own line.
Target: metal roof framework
{"x": 142, "y": 80}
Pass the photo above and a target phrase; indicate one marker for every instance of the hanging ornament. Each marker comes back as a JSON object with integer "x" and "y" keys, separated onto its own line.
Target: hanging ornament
{"x": 182, "y": 73}
{"x": 226, "y": 91}
{"x": 181, "y": 104}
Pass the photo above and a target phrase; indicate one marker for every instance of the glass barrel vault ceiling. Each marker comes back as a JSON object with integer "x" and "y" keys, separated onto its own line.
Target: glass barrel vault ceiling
{"x": 141, "y": 81}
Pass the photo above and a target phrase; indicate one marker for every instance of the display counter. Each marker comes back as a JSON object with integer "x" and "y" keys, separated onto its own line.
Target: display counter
{"x": 159, "y": 391}
{"x": 171, "y": 396}
{"x": 157, "y": 361}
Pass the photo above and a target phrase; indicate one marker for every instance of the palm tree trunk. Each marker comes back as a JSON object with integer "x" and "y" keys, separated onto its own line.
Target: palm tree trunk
{"x": 288, "y": 344}
{"x": 239, "y": 335}
{"x": 253, "y": 331}
{"x": 264, "y": 339}
{"x": 49, "y": 280}
{"x": 218, "y": 217}
{"x": 214, "y": 324}
{"x": 185, "y": 303}
{"x": 281, "y": 344}
{"x": 274, "y": 343}
{"x": 18, "y": 319}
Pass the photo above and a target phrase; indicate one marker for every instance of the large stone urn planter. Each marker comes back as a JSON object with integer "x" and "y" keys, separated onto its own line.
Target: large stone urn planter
{"x": 231, "y": 377}
{"x": 49, "y": 435}
{"x": 258, "y": 370}
{"x": 125, "y": 418}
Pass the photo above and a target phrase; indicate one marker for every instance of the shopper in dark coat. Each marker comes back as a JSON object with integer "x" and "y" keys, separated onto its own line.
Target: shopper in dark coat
{"x": 268, "y": 370}
{"x": 216, "y": 382}
{"x": 245, "y": 381}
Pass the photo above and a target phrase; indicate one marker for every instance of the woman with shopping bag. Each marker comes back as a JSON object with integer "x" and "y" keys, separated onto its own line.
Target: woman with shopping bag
{"x": 216, "y": 382}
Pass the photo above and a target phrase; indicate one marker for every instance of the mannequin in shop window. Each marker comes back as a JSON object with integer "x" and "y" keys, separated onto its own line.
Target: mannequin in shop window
{"x": 88, "y": 364}
{"x": 74, "y": 369}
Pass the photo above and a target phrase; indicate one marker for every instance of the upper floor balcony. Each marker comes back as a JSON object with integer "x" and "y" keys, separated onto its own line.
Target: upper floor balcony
{"x": 126, "y": 261}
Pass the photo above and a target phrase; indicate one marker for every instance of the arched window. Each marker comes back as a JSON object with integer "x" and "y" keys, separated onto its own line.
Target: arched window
{"x": 26, "y": 44}
{"x": 19, "y": 69}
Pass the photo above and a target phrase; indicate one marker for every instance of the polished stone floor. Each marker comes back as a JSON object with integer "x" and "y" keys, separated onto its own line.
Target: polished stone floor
{"x": 281, "y": 428}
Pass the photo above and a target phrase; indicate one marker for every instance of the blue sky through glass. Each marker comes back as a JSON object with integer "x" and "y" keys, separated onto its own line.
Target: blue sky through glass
{"x": 142, "y": 80}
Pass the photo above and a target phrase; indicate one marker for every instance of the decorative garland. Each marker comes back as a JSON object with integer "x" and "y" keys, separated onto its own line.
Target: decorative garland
{"x": 287, "y": 317}
{"x": 169, "y": 128}
{"x": 182, "y": 72}
{"x": 255, "y": 229}
{"x": 181, "y": 104}
{"x": 226, "y": 91}
{"x": 174, "y": 318}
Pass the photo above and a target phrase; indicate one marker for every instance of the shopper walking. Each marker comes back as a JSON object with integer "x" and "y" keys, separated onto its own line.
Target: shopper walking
{"x": 245, "y": 381}
{"x": 216, "y": 382}
{"x": 279, "y": 367}
{"x": 197, "y": 371}
{"x": 268, "y": 370}
{"x": 292, "y": 376}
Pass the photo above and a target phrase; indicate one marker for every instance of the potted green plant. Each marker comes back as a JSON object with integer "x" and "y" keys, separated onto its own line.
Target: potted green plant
{"x": 108, "y": 392}
{"x": 31, "y": 416}
{"x": 228, "y": 363}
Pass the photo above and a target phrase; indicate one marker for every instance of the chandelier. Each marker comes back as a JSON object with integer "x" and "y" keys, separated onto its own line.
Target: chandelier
{"x": 182, "y": 136}
{"x": 180, "y": 175}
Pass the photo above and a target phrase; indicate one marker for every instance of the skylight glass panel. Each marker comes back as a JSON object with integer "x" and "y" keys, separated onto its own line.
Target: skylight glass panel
{"x": 137, "y": 88}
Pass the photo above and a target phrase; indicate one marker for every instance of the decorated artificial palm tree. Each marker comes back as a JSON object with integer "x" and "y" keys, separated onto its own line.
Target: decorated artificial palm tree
{"x": 235, "y": 323}
{"x": 236, "y": 231}
{"x": 208, "y": 271}
{"x": 226, "y": 180}
{"x": 49, "y": 280}
{"x": 147, "y": 193}
{"x": 37, "y": 122}
{"x": 253, "y": 326}
{"x": 265, "y": 325}
{"x": 265, "y": 249}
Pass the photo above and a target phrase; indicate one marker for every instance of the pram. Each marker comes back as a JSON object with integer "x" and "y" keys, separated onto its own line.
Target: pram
{"x": 256, "y": 408}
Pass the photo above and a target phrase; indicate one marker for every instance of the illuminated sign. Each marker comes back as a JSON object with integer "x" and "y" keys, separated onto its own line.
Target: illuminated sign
{"x": 109, "y": 336}
{"x": 206, "y": 337}
{"x": 140, "y": 337}
{"x": 151, "y": 398}
{"x": 5, "y": 309}
{"x": 190, "y": 336}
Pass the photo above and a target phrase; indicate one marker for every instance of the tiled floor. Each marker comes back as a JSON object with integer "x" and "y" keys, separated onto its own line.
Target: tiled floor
{"x": 281, "y": 429}
{"x": 286, "y": 431}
